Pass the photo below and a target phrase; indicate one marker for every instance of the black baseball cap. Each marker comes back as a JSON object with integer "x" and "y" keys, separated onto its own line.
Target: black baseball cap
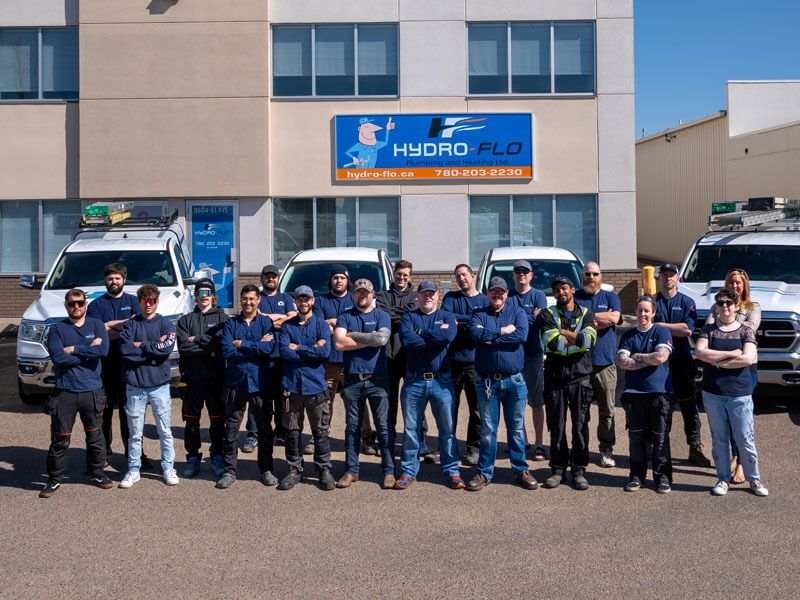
{"x": 668, "y": 267}
{"x": 497, "y": 282}
{"x": 271, "y": 269}
{"x": 427, "y": 285}
{"x": 204, "y": 284}
{"x": 559, "y": 281}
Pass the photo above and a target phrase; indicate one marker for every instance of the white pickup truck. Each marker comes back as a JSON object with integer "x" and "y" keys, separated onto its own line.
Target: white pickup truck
{"x": 154, "y": 251}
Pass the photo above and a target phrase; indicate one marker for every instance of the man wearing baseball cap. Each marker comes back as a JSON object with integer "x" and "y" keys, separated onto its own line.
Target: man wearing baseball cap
{"x": 361, "y": 334}
{"x": 426, "y": 334}
{"x": 500, "y": 331}
{"x": 568, "y": 334}
{"x": 304, "y": 342}
{"x": 203, "y": 371}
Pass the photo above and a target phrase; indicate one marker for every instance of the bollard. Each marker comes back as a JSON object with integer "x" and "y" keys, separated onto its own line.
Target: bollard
{"x": 648, "y": 280}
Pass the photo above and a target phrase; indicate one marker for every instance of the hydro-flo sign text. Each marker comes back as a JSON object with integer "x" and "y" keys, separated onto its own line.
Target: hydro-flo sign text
{"x": 449, "y": 146}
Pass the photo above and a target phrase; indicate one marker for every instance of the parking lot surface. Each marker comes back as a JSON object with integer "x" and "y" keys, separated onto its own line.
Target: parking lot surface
{"x": 249, "y": 541}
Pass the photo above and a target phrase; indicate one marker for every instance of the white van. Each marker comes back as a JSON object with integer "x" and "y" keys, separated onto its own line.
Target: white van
{"x": 313, "y": 268}
{"x": 153, "y": 249}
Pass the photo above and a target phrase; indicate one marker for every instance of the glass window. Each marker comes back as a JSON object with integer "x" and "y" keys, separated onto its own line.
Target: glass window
{"x": 85, "y": 269}
{"x": 377, "y": 60}
{"x": 335, "y": 60}
{"x": 19, "y": 236}
{"x": 574, "y": 57}
{"x": 530, "y": 58}
{"x": 488, "y": 59}
{"x": 60, "y": 220}
{"x": 60, "y": 63}
{"x": 379, "y": 225}
{"x": 291, "y": 61}
{"x": 576, "y": 225}
{"x": 317, "y": 274}
{"x": 489, "y": 221}
{"x": 336, "y": 222}
{"x": 293, "y": 227}
{"x": 533, "y": 221}
{"x": 19, "y": 64}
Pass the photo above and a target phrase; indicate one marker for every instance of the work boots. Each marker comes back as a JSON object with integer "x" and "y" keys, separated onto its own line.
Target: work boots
{"x": 696, "y": 456}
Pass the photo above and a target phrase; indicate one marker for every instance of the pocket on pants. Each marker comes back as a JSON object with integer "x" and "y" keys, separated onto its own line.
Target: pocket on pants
{"x": 50, "y": 404}
{"x": 99, "y": 400}
{"x": 518, "y": 379}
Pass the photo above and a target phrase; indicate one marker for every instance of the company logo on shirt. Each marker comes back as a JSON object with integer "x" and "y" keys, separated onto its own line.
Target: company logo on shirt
{"x": 281, "y": 303}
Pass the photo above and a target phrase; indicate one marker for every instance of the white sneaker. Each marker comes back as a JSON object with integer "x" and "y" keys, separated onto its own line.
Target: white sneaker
{"x": 130, "y": 478}
{"x": 759, "y": 489}
{"x": 607, "y": 460}
{"x": 720, "y": 489}
{"x": 171, "y": 477}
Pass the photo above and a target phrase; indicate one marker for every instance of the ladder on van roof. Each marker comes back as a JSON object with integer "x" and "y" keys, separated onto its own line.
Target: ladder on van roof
{"x": 736, "y": 216}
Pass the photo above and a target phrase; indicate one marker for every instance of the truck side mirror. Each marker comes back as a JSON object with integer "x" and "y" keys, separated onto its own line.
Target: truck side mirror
{"x": 30, "y": 281}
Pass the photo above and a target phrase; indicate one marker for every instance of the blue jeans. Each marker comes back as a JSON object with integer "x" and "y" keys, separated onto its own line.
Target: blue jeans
{"x": 512, "y": 394}
{"x": 251, "y": 428}
{"x": 416, "y": 394}
{"x": 356, "y": 394}
{"x": 726, "y": 414}
{"x": 161, "y": 405}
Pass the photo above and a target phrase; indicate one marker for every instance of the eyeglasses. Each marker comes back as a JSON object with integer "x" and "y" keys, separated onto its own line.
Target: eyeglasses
{"x": 725, "y": 302}
{"x": 645, "y": 298}
{"x": 204, "y": 293}
{"x": 521, "y": 271}
{"x": 148, "y": 301}
{"x": 591, "y": 274}
{"x": 740, "y": 271}
{"x": 74, "y": 303}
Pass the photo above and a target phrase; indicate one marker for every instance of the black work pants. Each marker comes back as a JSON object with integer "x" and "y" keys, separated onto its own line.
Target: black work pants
{"x": 577, "y": 397}
{"x": 464, "y": 378}
{"x": 691, "y": 420}
{"x": 295, "y": 406}
{"x": 114, "y": 387}
{"x": 63, "y": 407}
{"x": 235, "y": 402}
{"x": 648, "y": 417}
{"x": 195, "y": 396}
{"x": 276, "y": 395}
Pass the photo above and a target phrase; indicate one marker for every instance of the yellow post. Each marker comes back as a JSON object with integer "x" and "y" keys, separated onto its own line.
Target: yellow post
{"x": 649, "y": 280}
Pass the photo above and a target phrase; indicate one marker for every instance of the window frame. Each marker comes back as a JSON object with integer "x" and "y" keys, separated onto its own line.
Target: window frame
{"x": 554, "y": 231}
{"x": 357, "y": 200}
{"x": 552, "y": 93}
{"x": 40, "y": 99}
{"x": 313, "y": 95}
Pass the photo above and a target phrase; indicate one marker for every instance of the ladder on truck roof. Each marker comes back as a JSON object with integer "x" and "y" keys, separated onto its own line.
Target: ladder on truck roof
{"x": 753, "y": 213}
{"x": 111, "y": 222}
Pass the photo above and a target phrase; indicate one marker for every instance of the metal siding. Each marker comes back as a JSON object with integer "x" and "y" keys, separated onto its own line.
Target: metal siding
{"x": 676, "y": 182}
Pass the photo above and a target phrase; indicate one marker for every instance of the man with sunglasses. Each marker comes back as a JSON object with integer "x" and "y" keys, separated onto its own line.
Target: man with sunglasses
{"x": 76, "y": 346}
{"x": 532, "y": 301}
{"x": 202, "y": 370}
{"x": 607, "y": 310}
{"x": 676, "y": 312}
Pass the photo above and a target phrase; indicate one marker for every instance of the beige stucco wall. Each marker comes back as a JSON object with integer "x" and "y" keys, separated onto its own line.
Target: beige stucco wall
{"x": 39, "y": 151}
{"x": 764, "y": 164}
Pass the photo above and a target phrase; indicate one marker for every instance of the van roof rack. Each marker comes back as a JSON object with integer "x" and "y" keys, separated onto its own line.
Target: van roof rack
{"x": 130, "y": 222}
{"x": 756, "y": 212}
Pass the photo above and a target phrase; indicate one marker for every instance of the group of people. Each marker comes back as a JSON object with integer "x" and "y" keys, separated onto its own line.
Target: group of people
{"x": 284, "y": 358}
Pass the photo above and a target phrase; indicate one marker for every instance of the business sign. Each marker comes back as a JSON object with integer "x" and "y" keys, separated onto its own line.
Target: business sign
{"x": 435, "y": 146}
{"x": 213, "y": 246}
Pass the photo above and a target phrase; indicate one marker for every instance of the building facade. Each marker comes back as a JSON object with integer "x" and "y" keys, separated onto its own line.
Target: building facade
{"x": 198, "y": 105}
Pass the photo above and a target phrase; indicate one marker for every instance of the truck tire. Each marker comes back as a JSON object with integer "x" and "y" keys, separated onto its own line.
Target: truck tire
{"x": 29, "y": 398}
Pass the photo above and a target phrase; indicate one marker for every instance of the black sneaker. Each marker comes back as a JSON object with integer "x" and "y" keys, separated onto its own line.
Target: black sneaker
{"x": 101, "y": 480}
{"x": 555, "y": 479}
{"x": 51, "y": 488}
{"x": 579, "y": 481}
{"x": 279, "y": 441}
{"x": 470, "y": 457}
{"x": 432, "y": 458}
{"x": 663, "y": 486}
{"x": 293, "y": 477}
{"x": 634, "y": 485}
{"x": 696, "y": 456}
{"x": 368, "y": 448}
{"x": 326, "y": 480}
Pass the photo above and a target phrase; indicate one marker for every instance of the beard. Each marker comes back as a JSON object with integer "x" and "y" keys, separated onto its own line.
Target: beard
{"x": 113, "y": 289}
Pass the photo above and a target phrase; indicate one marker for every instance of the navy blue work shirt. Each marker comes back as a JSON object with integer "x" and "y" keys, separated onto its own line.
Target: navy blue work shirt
{"x": 304, "y": 368}
{"x": 603, "y": 353}
{"x": 247, "y": 367}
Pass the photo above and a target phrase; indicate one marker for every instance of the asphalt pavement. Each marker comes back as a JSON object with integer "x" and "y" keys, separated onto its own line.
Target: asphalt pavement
{"x": 249, "y": 541}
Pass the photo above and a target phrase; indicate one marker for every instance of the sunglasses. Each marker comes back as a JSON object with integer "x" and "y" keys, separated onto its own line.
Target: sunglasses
{"x": 740, "y": 271}
{"x": 74, "y": 303}
{"x": 725, "y": 303}
{"x": 204, "y": 292}
{"x": 521, "y": 271}
{"x": 149, "y": 301}
{"x": 591, "y": 274}
{"x": 645, "y": 298}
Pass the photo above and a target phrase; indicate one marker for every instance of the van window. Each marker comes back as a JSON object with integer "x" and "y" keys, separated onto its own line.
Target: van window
{"x": 85, "y": 269}
{"x": 543, "y": 273}
{"x": 316, "y": 275}
{"x": 761, "y": 262}
{"x": 181, "y": 263}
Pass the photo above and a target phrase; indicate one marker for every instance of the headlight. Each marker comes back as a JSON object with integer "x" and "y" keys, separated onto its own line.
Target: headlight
{"x": 32, "y": 331}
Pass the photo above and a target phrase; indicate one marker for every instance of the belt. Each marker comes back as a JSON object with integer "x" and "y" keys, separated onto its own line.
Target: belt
{"x": 499, "y": 375}
{"x": 427, "y": 375}
{"x": 359, "y": 376}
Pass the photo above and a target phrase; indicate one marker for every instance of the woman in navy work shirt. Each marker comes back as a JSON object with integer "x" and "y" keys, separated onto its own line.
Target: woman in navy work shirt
{"x": 728, "y": 348}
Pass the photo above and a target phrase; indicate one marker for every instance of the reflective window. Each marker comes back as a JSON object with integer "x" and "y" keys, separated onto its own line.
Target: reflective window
{"x": 60, "y": 221}
{"x": 292, "y": 227}
{"x": 574, "y": 57}
{"x": 489, "y": 225}
{"x": 31, "y": 55}
{"x": 576, "y": 225}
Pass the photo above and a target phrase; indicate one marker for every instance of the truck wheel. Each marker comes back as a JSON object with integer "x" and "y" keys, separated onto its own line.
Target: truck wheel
{"x": 29, "y": 398}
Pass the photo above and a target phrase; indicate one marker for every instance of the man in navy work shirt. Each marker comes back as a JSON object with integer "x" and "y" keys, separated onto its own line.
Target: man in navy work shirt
{"x": 146, "y": 342}
{"x": 305, "y": 344}
{"x": 532, "y": 301}
{"x": 676, "y": 312}
{"x": 361, "y": 335}
{"x": 76, "y": 346}
{"x": 607, "y": 310}
{"x": 500, "y": 331}
{"x": 462, "y": 303}
{"x": 568, "y": 334}
{"x": 114, "y": 308}
{"x": 279, "y": 308}
{"x": 247, "y": 342}
{"x": 426, "y": 334}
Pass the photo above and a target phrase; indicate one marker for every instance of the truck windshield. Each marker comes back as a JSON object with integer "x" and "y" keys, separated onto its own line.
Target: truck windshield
{"x": 316, "y": 275}
{"x": 543, "y": 273}
{"x": 85, "y": 269}
{"x": 765, "y": 263}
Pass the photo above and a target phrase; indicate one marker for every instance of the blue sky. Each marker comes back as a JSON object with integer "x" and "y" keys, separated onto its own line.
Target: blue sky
{"x": 685, "y": 51}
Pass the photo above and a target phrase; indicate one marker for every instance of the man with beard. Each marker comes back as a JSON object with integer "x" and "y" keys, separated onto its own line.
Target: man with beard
{"x": 279, "y": 308}
{"x": 305, "y": 344}
{"x": 202, "y": 370}
{"x": 607, "y": 309}
{"x": 568, "y": 333}
{"x": 361, "y": 335}
{"x": 114, "y": 308}
{"x": 462, "y": 304}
